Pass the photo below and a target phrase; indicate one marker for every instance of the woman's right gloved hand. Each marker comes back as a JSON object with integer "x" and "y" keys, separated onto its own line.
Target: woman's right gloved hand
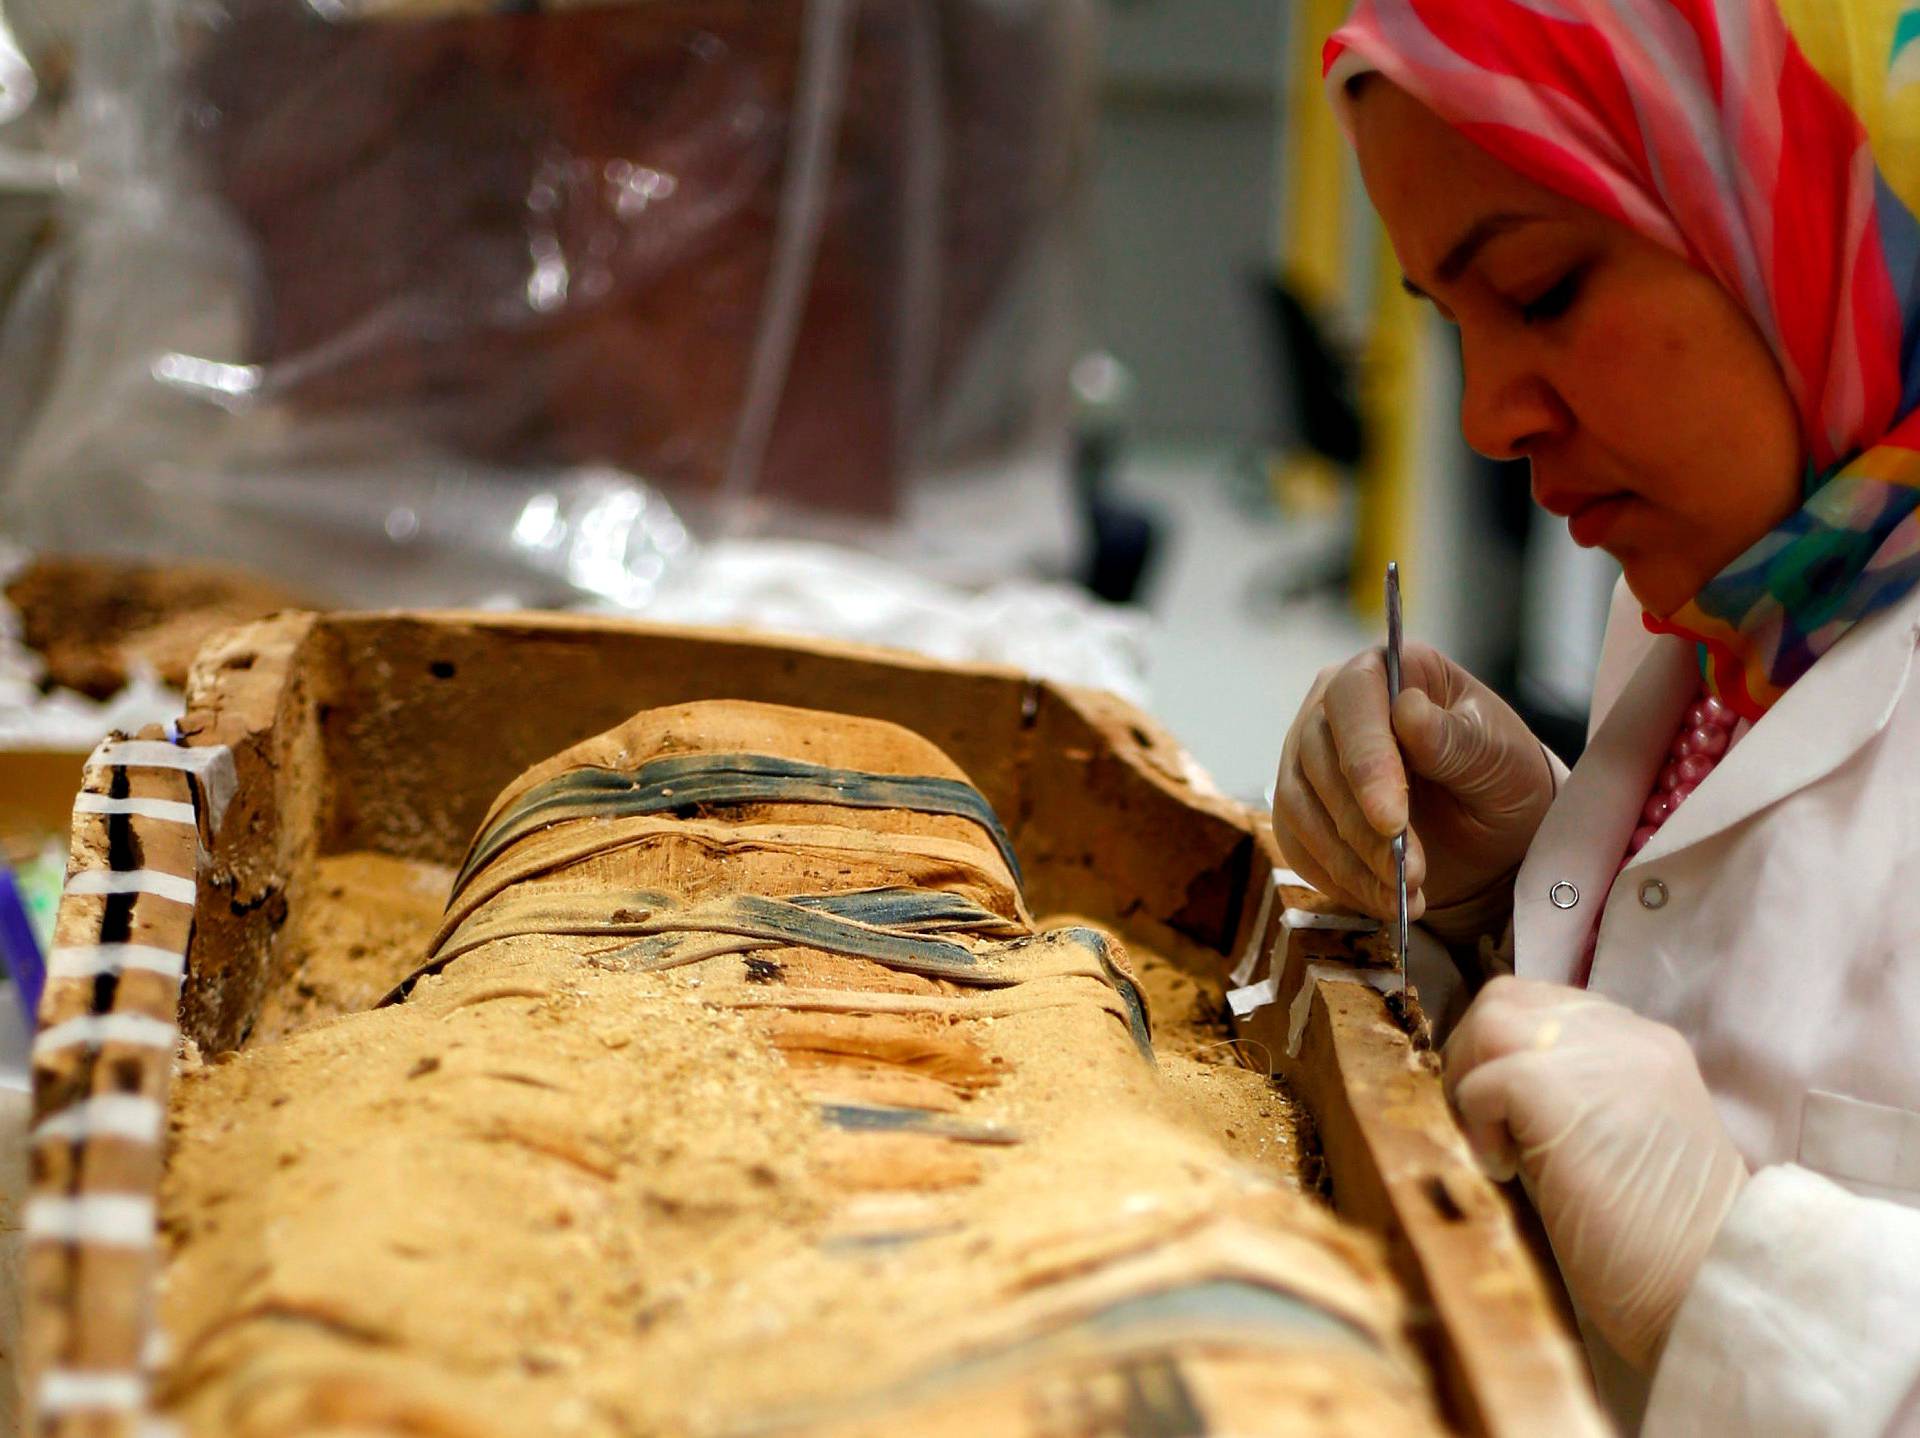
{"x": 1480, "y": 784}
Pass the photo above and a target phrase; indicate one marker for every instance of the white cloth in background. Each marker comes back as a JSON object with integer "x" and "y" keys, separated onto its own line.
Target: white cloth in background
{"x": 1053, "y": 631}
{"x": 1774, "y": 921}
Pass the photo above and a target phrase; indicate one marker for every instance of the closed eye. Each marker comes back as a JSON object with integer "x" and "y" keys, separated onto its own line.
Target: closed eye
{"x": 1555, "y": 300}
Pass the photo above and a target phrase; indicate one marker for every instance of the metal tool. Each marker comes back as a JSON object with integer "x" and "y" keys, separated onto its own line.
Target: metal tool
{"x": 1400, "y": 839}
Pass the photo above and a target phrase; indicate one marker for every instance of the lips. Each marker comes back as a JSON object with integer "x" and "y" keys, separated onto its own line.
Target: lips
{"x": 1590, "y": 517}
{"x": 1593, "y": 521}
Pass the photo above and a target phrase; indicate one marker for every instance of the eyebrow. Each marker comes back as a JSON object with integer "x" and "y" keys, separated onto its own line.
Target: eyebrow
{"x": 1454, "y": 263}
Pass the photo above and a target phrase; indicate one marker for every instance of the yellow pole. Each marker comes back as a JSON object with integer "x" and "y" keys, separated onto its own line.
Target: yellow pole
{"x": 1312, "y": 248}
{"x": 1324, "y": 218}
{"x": 1390, "y": 380}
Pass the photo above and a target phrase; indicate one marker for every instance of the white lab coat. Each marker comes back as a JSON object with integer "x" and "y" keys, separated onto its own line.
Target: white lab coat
{"x": 1774, "y": 920}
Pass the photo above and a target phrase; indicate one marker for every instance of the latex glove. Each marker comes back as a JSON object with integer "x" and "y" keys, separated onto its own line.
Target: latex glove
{"x": 1480, "y": 786}
{"x": 1607, "y": 1120}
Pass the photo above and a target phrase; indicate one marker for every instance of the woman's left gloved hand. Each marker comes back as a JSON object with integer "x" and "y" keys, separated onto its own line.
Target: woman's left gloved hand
{"x": 1606, "y": 1118}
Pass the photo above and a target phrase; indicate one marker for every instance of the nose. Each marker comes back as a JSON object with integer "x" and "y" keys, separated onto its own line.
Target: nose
{"x": 1508, "y": 407}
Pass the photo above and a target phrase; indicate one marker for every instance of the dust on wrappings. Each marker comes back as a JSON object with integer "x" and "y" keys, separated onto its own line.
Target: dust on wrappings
{"x": 544, "y": 1188}
{"x": 368, "y": 918}
{"x": 1224, "y": 1083}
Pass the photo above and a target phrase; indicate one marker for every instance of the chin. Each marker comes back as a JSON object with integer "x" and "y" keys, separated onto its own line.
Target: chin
{"x": 1659, "y": 589}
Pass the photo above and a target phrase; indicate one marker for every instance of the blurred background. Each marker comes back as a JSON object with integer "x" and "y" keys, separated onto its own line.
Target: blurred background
{"x": 1043, "y": 332}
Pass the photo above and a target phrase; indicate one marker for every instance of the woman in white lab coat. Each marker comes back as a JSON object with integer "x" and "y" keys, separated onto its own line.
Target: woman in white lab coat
{"x": 1679, "y": 240}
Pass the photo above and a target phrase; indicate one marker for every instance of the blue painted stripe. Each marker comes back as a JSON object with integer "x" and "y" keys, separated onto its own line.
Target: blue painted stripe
{"x": 879, "y": 1118}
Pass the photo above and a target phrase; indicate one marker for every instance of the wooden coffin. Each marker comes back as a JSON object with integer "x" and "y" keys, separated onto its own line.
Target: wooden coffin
{"x": 322, "y": 755}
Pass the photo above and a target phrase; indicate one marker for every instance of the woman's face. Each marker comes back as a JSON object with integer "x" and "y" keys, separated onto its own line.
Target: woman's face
{"x": 1654, "y": 415}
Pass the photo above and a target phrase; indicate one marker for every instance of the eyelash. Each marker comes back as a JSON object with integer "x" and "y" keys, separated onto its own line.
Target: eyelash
{"x": 1555, "y": 301}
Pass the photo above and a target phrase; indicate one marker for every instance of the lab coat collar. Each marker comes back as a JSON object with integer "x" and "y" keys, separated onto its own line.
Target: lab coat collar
{"x": 1839, "y": 704}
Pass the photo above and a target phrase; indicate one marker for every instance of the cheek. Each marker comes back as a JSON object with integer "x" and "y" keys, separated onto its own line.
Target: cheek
{"x": 1645, "y": 389}
{"x": 1679, "y": 388}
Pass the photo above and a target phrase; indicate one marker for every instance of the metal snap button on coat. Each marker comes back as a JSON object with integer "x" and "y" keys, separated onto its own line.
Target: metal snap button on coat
{"x": 1653, "y": 894}
{"x": 1563, "y": 895}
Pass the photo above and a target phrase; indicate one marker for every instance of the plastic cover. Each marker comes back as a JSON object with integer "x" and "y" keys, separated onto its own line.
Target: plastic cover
{"x": 424, "y": 301}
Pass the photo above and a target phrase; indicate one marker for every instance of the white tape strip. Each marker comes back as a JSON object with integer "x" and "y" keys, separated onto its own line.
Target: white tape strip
{"x": 93, "y": 1030}
{"x": 74, "y": 1390}
{"x": 212, "y": 764}
{"x": 90, "y": 961}
{"x": 119, "y": 1220}
{"x": 1250, "y": 997}
{"x": 132, "y": 881}
{"x": 112, "y": 1115}
{"x": 1342, "y": 923}
{"x": 1245, "y": 996}
{"x": 172, "y": 811}
{"x": 1250, "y": 960}
{"x": 1384, "y": 981}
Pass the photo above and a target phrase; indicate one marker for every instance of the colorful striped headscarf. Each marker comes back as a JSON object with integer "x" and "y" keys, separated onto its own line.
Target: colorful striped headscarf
{"x": 1776, "y": 145}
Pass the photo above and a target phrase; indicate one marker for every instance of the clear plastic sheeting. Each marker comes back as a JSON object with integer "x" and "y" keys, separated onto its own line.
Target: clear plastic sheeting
{"x": 17, "y": 83}
{"x": 421, "y": 533}
{"x": 437, "y": 301}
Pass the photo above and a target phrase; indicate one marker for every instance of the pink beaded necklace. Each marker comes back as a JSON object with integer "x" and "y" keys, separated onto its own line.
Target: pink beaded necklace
{"x": 1706, "y": 732}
